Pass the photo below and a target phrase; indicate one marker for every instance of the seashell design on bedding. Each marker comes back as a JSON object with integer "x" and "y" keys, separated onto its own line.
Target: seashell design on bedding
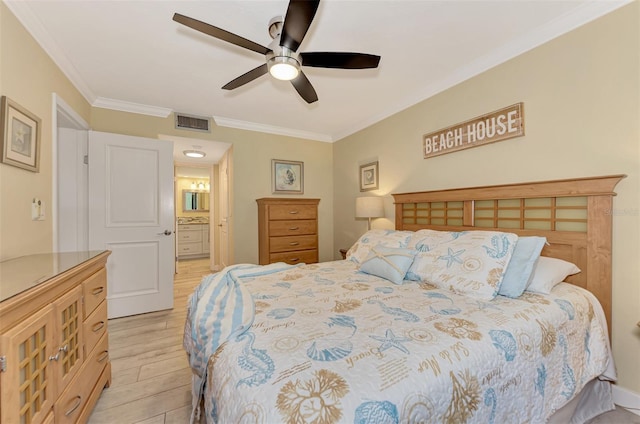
{"x": 504, "y": 341}
{"x": 329, "y": 350}
{"x": 383, "y": 412}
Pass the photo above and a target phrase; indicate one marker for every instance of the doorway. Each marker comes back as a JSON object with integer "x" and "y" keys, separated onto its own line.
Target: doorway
{"x": 196, "y": 208}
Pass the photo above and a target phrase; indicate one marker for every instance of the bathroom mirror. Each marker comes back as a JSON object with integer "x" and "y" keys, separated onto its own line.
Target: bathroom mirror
{"x": 195, "y": 201}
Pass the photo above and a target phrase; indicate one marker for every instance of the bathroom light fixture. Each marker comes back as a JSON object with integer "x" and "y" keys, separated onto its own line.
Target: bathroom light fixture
{"x": 194, "y": 153}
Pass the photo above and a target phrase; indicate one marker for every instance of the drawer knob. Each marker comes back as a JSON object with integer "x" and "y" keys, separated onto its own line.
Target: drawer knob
{"x": 293, "y": 212}
{"x": 97, "y": 326}
{"x": 78, "y": 400}
{"x": 294, "y": 228}
{"x": 97, "y": 291}
{"x": 294, "y": 259}
{"x": 294, "y": 243}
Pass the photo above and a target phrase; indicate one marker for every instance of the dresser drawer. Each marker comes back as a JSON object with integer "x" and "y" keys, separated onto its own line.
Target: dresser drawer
{"x": 292, "y": 228}
{"x": 94, "y": 291}
{"x": 286, "y": 244}
{"x": 293, "y": 212}
{"x": 190, "y": 248}
{"x": 306, "y": 256}
{"x": 190, "y": 227}
{"x": 189, "y": 236}
{"x": 94, "y": 327}
{"x": 71, "y": 403}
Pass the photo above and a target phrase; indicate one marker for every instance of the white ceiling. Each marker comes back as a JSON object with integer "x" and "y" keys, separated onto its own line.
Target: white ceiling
{"x": 131, "y": 55}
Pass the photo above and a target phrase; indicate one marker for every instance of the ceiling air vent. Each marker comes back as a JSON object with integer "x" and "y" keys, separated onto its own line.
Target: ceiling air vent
{"x": 190, "y": 122}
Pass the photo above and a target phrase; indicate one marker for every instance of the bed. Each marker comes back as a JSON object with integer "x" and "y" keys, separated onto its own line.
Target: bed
{"x": 411, "y": 327}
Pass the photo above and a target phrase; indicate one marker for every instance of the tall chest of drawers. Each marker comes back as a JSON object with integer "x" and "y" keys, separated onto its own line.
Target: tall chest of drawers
{"x": 288, "y": 230}
{"x": 54, "y": 355}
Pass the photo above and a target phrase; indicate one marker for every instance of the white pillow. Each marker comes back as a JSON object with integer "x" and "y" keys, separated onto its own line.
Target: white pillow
{"x": 384, "y": 238}
{"x": 548, "y": 272}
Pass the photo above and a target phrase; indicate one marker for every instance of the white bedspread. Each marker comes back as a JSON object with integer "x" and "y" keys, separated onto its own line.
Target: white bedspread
{"x": 328, "y": 344}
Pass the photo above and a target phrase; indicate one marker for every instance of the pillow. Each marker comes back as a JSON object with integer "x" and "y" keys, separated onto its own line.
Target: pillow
{"x": 520, "y": 268}
{"x": 425, "y": 240}
{"x": 469, "y": 262}
{"x": 548, "y": 272}
{"x": 390, "y": 263}
{"x": 387, "y": 238}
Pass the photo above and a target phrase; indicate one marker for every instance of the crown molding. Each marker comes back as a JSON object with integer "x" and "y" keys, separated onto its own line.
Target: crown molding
{"x": 32, "y": 24}
{"x": 121, "y": 105}
{"x": 270, "y": 129}
{"x": 582, "y": 15}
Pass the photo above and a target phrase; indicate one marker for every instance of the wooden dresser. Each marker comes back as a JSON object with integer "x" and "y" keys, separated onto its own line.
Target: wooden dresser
{"x": 54, "y": 356}
{"x": 288, "y": 230}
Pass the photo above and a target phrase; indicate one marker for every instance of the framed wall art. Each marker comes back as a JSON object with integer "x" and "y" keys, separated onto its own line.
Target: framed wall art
{"x": 369, "y": 176}
{"x": 287, "y": 177}
{"x": 20, "y": 137}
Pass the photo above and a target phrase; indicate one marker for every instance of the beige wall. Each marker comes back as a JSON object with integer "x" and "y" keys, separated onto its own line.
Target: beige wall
{"x": 252, "y": 154}
{"x": 581, "y": 97}
{"x": 29, "y": 77}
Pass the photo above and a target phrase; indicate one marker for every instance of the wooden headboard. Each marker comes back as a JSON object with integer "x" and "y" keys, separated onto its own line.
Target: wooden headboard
{"x": 575, "y": 215}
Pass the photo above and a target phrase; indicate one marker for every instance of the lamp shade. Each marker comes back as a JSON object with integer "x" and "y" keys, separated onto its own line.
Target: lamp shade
{"x": 369, "y": 207}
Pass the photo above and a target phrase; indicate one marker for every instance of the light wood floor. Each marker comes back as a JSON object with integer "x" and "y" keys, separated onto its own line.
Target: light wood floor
{"x": 150, "y": 373}
{"x": 151, "y": 379}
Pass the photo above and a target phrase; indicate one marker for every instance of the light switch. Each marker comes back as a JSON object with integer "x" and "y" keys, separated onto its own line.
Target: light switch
{"x": 37, "y": 210}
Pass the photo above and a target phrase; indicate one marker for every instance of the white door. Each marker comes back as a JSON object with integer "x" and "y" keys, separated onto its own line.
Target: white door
{"x": 131, "y": 213}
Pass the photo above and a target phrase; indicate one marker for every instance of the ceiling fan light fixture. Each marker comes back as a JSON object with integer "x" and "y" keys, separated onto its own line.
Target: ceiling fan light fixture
{"x": 284, "y": 68}
{"x": 194, "y": 153}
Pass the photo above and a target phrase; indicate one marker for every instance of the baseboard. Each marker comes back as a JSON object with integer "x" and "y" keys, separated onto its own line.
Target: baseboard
{"x": 626, "y": 399}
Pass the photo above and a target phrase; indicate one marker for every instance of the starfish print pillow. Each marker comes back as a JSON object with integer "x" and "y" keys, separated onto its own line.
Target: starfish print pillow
{"x": 470, "y": 263}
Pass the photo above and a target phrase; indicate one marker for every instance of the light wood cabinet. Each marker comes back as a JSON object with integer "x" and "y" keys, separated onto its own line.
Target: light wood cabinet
{"x": 54, "y": 357}
{"x": 288, "y": 230}
{"x": 193, "y": 240}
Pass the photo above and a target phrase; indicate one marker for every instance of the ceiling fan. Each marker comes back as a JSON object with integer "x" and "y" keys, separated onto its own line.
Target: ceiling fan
{"x": 282, "y": 62}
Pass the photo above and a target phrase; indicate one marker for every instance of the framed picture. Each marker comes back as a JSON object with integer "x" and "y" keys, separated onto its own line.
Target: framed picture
{"x": 20, "y": 138}
{"x": 369, "y": 176}
{"x": 287, "y": 177}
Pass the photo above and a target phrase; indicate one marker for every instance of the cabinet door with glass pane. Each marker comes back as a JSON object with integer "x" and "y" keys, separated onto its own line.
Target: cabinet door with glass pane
{"x": 69, "y": 355}
{"x": 27, "y": 385}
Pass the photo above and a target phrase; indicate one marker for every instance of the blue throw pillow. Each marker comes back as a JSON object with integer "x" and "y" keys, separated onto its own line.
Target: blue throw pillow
{"x": 388, "y": 262}
{"x": 520, "y": 267}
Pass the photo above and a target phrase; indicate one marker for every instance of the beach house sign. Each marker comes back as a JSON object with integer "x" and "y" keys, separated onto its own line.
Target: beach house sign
{"x": 495, "y": 126}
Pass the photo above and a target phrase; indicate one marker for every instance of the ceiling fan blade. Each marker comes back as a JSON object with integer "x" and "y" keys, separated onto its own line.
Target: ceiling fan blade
{"x": 219, "y": 33}
{"x": 299, "y": 16}
{"x": 303, "y": 86}
{"x": 342, "y": 60}
{"x": 248, "y": 77}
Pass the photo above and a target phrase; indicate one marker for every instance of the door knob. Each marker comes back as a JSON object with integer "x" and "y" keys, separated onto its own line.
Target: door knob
{"x": 166, "y": 233}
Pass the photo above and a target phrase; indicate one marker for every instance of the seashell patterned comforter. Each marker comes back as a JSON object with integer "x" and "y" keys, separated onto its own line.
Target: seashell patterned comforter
{"x": 331, "y": 345}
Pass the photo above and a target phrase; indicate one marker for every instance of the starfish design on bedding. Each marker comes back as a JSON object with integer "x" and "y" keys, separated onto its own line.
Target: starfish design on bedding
{"x": 452, "y": 257}
{"x": 390, "y": 340}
